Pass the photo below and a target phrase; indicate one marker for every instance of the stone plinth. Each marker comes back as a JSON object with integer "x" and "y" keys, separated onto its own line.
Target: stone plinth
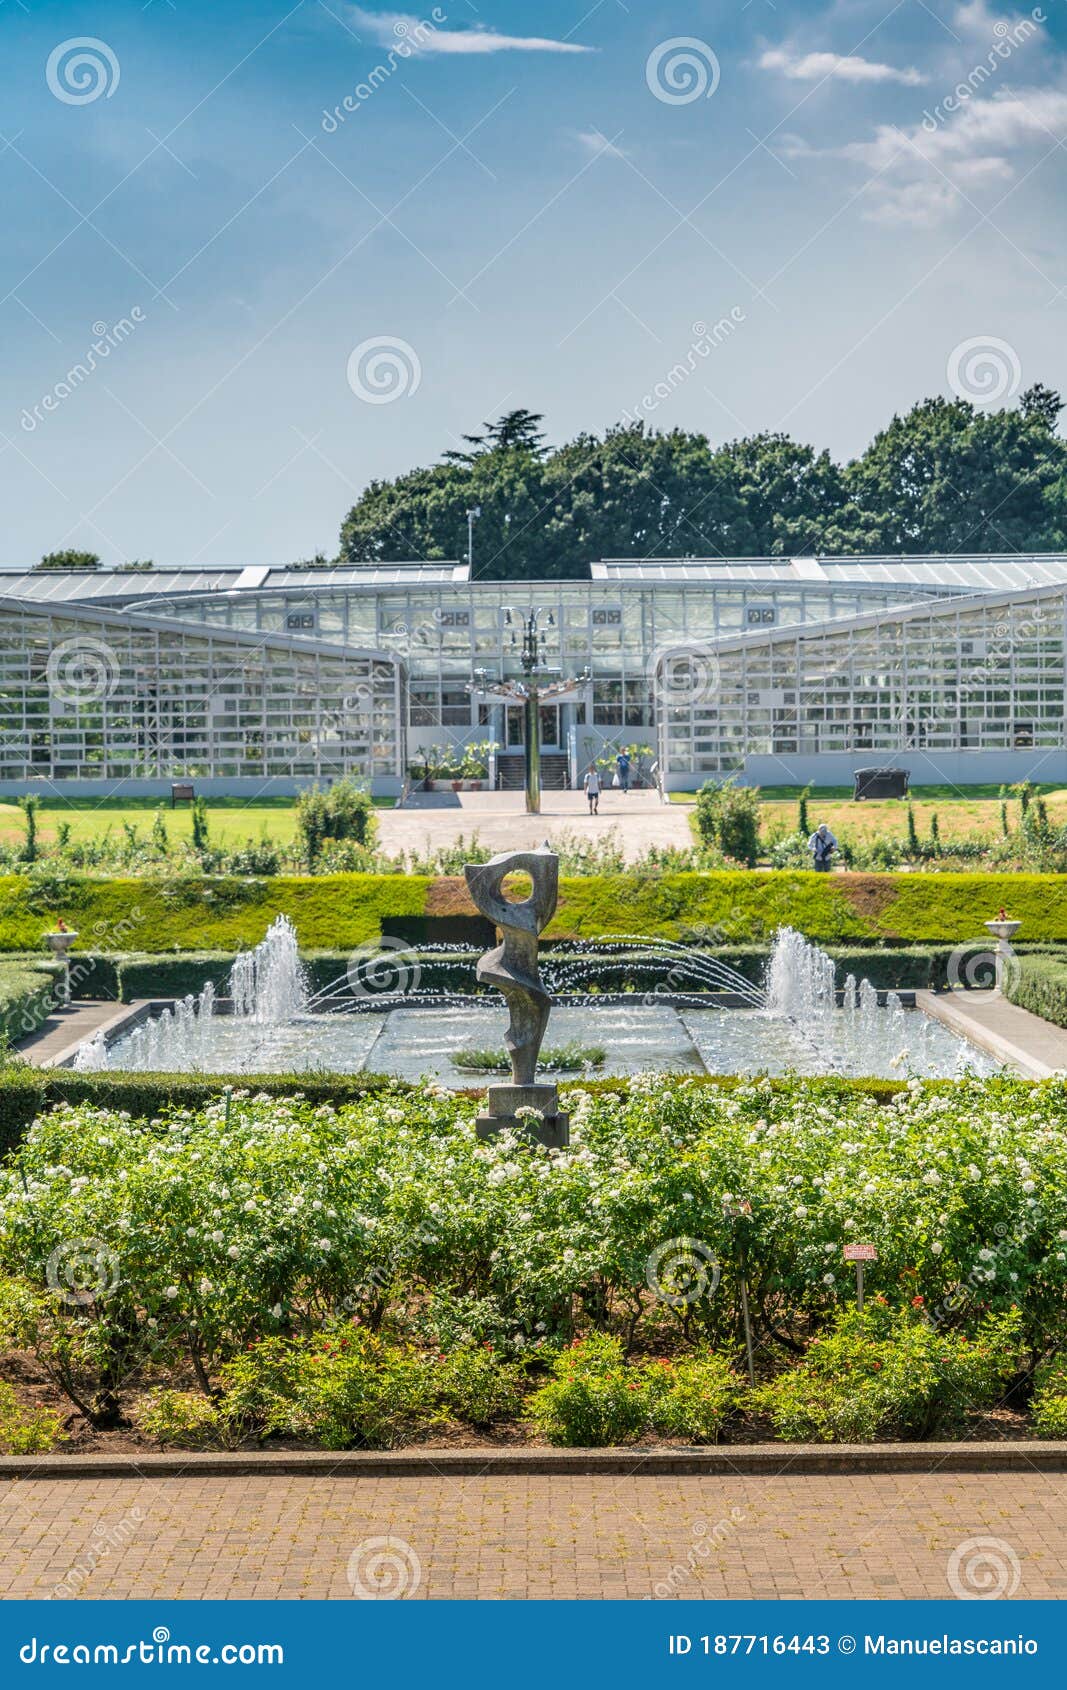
{"x": 503, "y": 1103}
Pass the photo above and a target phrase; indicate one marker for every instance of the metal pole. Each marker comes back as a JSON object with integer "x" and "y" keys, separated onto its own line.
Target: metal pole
{"x": 748, "y": 1331}
{"x": 859, "y": 1287}
{"x": 532, "y": 708}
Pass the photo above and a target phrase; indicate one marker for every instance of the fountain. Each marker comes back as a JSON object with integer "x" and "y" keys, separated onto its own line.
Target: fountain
{"x": 700, "y": 1015}
{"x": 512, "y": 969}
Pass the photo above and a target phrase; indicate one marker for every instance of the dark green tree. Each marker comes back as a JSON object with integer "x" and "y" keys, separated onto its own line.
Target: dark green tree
{"x": 69, "y": 560}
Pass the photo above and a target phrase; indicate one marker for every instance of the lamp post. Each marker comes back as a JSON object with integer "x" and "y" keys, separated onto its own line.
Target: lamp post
{"x": 528, "y": 691}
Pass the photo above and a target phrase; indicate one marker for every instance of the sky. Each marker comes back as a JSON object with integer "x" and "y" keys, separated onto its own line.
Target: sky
{"x": 258, "y": 253}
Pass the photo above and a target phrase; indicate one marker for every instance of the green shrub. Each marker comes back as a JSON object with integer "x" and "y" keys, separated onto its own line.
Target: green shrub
{"x": 184, "y": 1419}
{"x": 26, "y": 1431}
{"x": 474, "y": 1385}
{"x": 1049, "y": 1407}
{"x": 728, "y": 818}
{"x": 344, "y": 1388}
{"x": 886, "y": 1373}
{"x": 593, "y": 1397}
{"x": 699, "y": 1394}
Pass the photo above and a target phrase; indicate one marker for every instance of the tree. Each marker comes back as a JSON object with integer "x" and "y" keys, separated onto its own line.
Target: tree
{"x": 515, "y": 431}
{"x": 69, "y": 560}
{"x": 949, "y": 478}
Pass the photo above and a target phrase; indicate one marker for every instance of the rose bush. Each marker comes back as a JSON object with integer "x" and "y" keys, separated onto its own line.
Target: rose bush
{"x": 133, "y": 1251}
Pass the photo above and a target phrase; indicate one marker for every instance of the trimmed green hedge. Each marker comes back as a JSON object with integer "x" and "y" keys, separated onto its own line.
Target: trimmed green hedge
{"x": 1039, "y": 983}
{"x": 127, "y": 978}
{"x": 26, "y": 995}
{"x": 342, "y": 911}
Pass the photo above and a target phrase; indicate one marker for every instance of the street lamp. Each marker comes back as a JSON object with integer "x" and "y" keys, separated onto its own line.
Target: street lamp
{"x": 530, "y": 692}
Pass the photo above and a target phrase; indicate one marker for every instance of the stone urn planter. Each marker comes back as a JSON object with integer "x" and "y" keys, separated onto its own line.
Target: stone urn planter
{"x": 59, "y": 943}
{"x": 1003, "y": 932}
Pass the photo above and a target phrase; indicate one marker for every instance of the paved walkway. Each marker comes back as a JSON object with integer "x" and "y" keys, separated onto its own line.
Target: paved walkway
{"x": 528, "y": 1537}
{"x": 432, "y": 819}
{"x": 1024, "y": 1041}
{"x": 56, "y": 1039}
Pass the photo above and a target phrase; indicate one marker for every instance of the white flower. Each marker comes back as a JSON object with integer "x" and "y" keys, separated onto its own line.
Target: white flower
{"x": 1029, "y": 1185}
{"x": 205, "y": 1287}
{"x": 171, "y": 1291}
{"x": 931, "y": 1177}
{"x": 569, "y": 1255}
{"x": 800, "y": 1212}
{"x": 233, "y": 1252}
{"x": 829, "y": 1279}
{"x": 936, "y": 1248}
{"x": 152, "y": 1322}
{"x": 323, "y": 1243}
{"x": 276, "y": 1311}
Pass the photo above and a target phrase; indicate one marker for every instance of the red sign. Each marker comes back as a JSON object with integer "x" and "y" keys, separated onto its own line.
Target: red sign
{"x": 860, "y": 1253}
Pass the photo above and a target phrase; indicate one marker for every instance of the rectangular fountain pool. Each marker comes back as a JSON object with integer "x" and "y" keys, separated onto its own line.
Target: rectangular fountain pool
{"x": 415, "y": 1043}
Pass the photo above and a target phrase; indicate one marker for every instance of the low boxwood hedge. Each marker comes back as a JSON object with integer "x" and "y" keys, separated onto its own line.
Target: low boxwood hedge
{"x": 1038, "y": 982}
{"x": 27, "y": 989}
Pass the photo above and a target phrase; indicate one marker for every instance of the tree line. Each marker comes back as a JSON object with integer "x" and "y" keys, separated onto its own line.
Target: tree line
{"x": 945, "y": 477}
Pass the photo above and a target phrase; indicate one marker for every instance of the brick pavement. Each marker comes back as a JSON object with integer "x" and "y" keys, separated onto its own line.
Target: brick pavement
{"x": 536, "y": 1536}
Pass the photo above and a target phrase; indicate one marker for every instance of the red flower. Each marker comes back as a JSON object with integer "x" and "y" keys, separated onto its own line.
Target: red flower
{"x": 917, "y": 1302}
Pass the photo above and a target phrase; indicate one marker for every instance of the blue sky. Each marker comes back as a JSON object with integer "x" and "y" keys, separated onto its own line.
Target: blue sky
{"x": 511, "y": 205}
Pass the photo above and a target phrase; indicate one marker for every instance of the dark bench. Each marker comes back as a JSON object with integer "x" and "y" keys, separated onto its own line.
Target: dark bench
{"x": 181, "y": 792}
{"x": 880, "y": 783}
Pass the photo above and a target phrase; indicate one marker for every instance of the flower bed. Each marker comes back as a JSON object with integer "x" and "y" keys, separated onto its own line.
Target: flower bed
{"x": 269, "y": 1267}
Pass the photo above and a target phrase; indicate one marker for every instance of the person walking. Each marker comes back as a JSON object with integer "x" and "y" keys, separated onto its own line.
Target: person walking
{"x": 592, "y": 789}
{"x": 822, "y": 846}
{"x": 622, "y": 769}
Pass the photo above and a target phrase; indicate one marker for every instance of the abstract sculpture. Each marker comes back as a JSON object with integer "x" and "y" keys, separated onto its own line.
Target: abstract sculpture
{"x": 512, "y": 968}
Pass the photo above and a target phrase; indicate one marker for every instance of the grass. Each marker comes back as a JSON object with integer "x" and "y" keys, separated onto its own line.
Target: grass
{"x": 231, "y": 821}
{"x": 556, "y": 1059}
{"x": 973, "y": 812}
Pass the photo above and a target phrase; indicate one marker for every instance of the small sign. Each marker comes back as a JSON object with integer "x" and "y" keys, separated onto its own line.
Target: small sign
{"x": 860, "y": 1253}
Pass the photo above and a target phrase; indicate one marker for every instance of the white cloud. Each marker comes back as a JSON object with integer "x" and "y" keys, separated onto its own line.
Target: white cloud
{"x": 922, "y": 174}
{"x": 599, "y": 145}
{"x": 423, "y": 36}
{"x": 815, "y": 67}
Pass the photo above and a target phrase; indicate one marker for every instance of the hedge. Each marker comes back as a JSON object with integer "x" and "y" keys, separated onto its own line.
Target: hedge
{"x": 126, "y": 979}
{"x": 1039, "y": 983}
{"x": 26, "y": 996}
{"x": 25, "y": 1091}
{"x": 342, "y": 911}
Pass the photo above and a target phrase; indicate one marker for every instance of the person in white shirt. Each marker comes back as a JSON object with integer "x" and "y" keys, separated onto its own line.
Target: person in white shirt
{"x": 592, "y": 789}
{"x": 822, "y": 845}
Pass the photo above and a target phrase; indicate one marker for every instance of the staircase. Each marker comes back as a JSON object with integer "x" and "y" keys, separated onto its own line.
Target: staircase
{"x": 511, "y": 771}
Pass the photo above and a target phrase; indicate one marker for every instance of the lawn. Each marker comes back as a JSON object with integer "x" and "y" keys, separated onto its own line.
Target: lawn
{"x": 231, "y": 821}
{"x": 973, "y": 814}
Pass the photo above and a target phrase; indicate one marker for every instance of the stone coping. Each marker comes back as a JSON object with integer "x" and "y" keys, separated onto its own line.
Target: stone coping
{"x": 712, "y": 1461}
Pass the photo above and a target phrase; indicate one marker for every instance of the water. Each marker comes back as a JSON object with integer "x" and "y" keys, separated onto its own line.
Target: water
{"x": 794, "y": 1025}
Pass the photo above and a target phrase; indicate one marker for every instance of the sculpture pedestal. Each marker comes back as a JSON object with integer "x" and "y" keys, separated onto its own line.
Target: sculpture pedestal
{"x": 503, "y": 1103}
